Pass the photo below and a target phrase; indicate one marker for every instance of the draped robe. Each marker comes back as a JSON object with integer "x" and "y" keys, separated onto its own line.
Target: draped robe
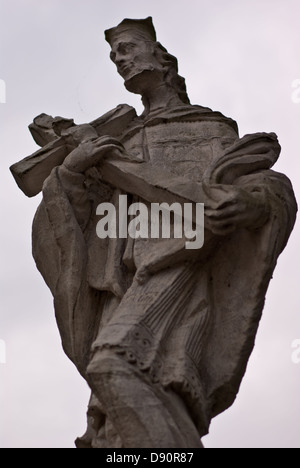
{"x": 191, "y": 324}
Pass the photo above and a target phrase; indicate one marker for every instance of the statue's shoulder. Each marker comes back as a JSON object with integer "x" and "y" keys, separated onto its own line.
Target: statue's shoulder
{"x": 190, "y": 113}
{"x": 124, "y": 118}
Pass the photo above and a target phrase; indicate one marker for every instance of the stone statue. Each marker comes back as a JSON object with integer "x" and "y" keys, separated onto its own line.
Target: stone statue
{"x": 161, "y": 333}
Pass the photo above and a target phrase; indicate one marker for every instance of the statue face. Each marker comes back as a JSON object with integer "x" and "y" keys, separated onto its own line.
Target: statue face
{"x": 132, "y": 57}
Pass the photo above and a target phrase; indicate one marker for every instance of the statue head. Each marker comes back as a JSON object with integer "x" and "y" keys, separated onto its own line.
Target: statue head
{"x": 141, "y": 60}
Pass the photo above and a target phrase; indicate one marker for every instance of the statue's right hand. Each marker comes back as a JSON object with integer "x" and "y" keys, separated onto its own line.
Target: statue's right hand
{"x": 91, "y": 152}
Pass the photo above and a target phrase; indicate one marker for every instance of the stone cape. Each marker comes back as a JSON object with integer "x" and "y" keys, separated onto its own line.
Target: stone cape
{"x": 222, "y": 299}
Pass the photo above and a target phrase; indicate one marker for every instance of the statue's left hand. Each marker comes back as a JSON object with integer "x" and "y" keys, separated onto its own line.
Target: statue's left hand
{"x": 91, "y": 152}
{"x": 229, "y": 208}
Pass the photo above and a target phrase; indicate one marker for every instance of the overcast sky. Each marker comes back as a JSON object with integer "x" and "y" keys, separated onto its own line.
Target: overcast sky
{"x": 239, "y": 57}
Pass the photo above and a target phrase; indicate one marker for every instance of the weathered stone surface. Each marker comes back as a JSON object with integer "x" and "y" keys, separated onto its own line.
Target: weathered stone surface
{"x": 161, "y": 334}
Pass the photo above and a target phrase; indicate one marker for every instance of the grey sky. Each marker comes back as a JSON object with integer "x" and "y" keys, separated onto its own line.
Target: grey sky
{"x": 238, "y": 57}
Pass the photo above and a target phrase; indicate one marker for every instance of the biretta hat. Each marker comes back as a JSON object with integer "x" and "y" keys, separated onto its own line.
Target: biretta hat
{"x": 143, "y": 28}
